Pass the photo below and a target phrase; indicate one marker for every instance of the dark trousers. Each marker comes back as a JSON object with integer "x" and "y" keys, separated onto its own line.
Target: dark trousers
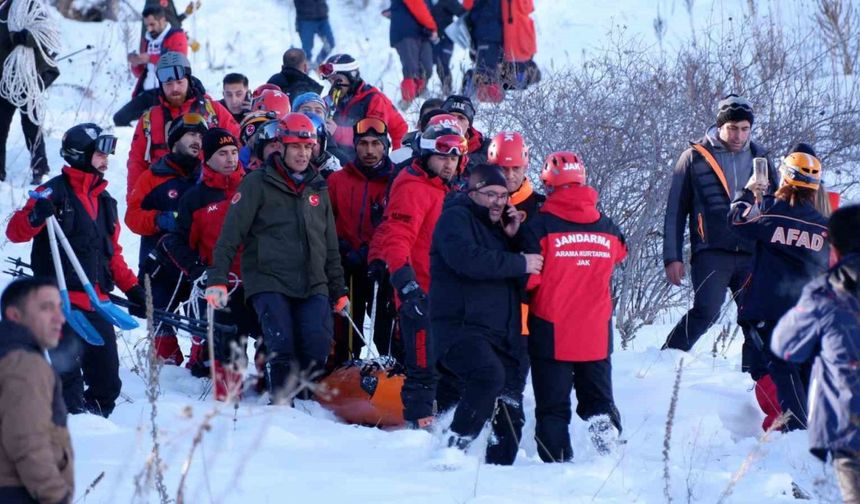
{"x": 848, "y": 473}
{"x": 712, "y": 272}
{"x": 297, "y": 333}
{"x": 791, "y": 380}
{"x": 419, "y": 362}
{"x": 416, "y": 57}
{"x": 132, "y": 110}
{"x": 492, "y": 386}
{"x": 442, "y": 53}
{"x": 552, "y": 381}
{"x": 32, "y": 137}
{"x": 347, "y": 344}
{"x": 307, "y": 29}
{"x": 488, "y": 59}
{"x": 80, "y": 363}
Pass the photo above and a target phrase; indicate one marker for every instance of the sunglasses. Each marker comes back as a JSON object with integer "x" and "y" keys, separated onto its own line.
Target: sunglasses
{"x": 106, "y": 144}
{"x": 446, "y": 144}
{"x": 371, "y": 125}
{"x": 172, "y": 73}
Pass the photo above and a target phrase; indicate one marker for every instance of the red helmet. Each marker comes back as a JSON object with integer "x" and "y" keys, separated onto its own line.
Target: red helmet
{"x": 508, "y": 150}
{"x": 263, "y": 87}
{"x": 297, "y": 128}
{"x": 272, "y": 101}
{"x": 562, "y": 168}
{"x": 447, "y": 120}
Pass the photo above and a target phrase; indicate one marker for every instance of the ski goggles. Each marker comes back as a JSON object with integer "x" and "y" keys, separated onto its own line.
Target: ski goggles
{"x": 326, "y": 70}
{"x": 171, "y": 73}
{"x": 267, "y": 131}
{"x": 446, "y": 145}
{"x": 106, "y": 144}
{"x": 192, "y": 119}
{"x": 286, "y": 135}
{"x": 371, "y": 125}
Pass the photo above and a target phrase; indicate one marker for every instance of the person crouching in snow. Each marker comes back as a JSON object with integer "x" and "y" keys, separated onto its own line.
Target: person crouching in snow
{"x": 475, "y": 295}
{"x": 824, "y": 326}
{"x": 791, "y": 249}
{"x": 570, "y": 310}
{"x": 282, "y": 217}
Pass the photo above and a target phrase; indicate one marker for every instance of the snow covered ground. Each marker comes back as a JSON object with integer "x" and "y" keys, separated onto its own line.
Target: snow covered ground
{"x": 275, "y": 454}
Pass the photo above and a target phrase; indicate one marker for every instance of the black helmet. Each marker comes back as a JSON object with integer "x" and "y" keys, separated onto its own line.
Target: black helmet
{"x": 266, "y": 133}
{"x": 81, "y": 141}
{"x": 172, "y": 65}
{"x": 342, "y": 64}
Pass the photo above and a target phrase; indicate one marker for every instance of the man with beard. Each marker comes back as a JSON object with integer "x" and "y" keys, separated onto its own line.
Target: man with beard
{"x": 401, "y": 245}
{"x": 357, "y": 196}
{"x": 181, "y": 93}
{"x": 152, "y": 209}
{"x": 88, "y": 215}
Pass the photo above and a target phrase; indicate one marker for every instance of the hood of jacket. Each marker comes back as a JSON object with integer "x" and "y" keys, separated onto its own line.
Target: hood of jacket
{"x": 573, "y": 203}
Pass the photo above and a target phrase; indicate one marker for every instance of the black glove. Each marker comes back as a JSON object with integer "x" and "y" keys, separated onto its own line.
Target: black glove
{"x": 413, "y": 299}
{"x": 40, "y": 212}
{"x": 376, "y": 270}
{"x": 137, "y": 296}
{"x": 23, "y": 38}
{"x": 152, "y": 264}
{"x": 196, "y": 269}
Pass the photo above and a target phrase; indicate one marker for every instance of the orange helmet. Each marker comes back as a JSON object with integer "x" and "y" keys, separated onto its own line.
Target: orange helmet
{"x": 272, "y": 101}
{"x": 801, "y": 170}
{"x": 561, "y": 169}
{"x": 508, "y": 150}
{"x": 250, "y": 123}
{"x": 297, "y": 128}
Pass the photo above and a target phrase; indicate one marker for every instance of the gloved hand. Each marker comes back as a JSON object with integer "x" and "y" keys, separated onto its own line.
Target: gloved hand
{"x": 342, "y": 306}
{"x": 413, "y": 299}
{"x": 376, "y": 270}
{"x": 196, "y": 270}
{"x": 166, "y": 221}
{"x": 217, "y": 297}
{"x": 40, "y": 212}
{"x": 23, "y": 38}
{"x": 137, "y": 296}
{"x": 151, "y": 264}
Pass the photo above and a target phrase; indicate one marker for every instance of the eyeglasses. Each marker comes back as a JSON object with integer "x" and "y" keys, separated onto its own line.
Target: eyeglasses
{"x": 493, "y": 196}
{"x": 446, "y": 144}
{"x": 171, "y": 73}
{"x": 371, "y": 124}
{"x": 106, "y": 144}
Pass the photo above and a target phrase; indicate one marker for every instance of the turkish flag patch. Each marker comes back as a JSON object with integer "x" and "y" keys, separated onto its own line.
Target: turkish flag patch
{"x": 236, "y": 198}
{"x": 314, "y": 199}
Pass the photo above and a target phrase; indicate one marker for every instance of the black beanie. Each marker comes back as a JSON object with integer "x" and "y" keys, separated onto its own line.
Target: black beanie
{"x": 734, "y": 108}
{"x": 216, "y": 138}
{"x": 461, "y": 105}
{"x": 486, "y": 175}
{"x": 178, "y": 128}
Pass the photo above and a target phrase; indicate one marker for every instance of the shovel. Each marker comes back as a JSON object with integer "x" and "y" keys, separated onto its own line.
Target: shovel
{"x": 108, "y": 311}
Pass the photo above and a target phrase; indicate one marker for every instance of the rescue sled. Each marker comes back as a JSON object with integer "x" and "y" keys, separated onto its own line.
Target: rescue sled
{"x": 365, "y": 392}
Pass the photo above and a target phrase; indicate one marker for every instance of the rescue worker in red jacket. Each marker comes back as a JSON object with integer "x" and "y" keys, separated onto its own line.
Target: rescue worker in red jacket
{"x": 201, "y": 214}
{"x": 351, "y": 99}
{"x": 88, "y": 216}
{"x": 160, "y": 38}
{"x": 357, "y": 193}
{"x": 401, "y": 246}
{"x": 570, "y": 310}
{"x": 151, "y": 213}
{"x": 181, "y": 93}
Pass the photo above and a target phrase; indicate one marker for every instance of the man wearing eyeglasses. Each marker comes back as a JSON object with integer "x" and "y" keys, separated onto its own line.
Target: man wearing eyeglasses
{"x": 475, "y": 296}
{"x": 705, "y": 180}
{"x": 181, "y": 93}
{"x": 358, "y": 200}
{"x": 88, "y": 215}
{"x": 401, "y": 246}
{"x": 152, "y": 210}
{"x": 352, "y": 99}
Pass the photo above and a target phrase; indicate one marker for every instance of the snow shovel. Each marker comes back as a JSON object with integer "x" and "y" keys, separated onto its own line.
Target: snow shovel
{"x": 109, "y": 311}
{"x": 76, "y": 320}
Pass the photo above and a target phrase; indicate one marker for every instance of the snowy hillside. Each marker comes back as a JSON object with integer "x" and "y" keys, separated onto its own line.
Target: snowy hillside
{"x": 266, "y": 454}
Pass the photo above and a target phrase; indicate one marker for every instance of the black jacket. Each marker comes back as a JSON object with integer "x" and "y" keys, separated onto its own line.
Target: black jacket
{"x": 791, "y": 249}
{"x": 309, "y": 10}
{"x": 476, "y": 277}
{"x": 699, "y": 194}
{"x": 294, "y": 82}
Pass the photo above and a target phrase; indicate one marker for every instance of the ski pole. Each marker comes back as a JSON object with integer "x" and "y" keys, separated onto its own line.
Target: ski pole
{"x": 74, "y": 53}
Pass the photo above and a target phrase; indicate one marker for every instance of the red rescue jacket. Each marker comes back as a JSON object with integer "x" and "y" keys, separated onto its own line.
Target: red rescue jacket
{"x": 356, "y": 196}
{"x": 174, "y": 41}
{"x": 570, "y": 308}
{"x": 407, "y": 227}
{"x": 368, "y": 101}
{"x": 520, "y": 40}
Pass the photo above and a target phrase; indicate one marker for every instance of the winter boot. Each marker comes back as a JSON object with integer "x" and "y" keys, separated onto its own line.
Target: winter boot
{"x": 490, "y": 93}
{"x": 765, "y": 394}
{"x": 459, "y": 442}
{"x": 604, "y": 435}
{"x": 409, "y": 90}
{"x": 167, "y": 349}
{"x": 228, "y": 382}
{"x": 421, "y": 87}
{"x": 198, "y": 358}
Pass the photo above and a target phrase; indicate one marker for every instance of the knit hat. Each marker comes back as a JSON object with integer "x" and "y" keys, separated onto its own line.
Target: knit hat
{"x": 461, "y": 105}
{"x": 215, "y": 139}
{"x": 734, "y": 108}
{"x": 182, "y": 125}
{"x": 486, "y": 175}
{"x": 372, "y": 127}
{"x": 309, "y": 97}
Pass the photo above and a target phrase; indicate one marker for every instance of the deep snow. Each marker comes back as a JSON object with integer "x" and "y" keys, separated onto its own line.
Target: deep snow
{"x": 276, "y": 454}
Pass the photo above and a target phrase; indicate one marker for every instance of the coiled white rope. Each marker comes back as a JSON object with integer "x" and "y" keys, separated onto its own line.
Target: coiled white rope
{"x": 21, "y": 84}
